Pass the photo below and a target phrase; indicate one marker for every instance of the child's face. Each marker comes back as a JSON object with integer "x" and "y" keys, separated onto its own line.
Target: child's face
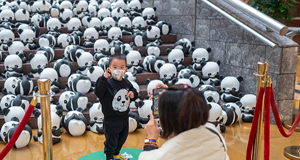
{"x": 118, "y": 64}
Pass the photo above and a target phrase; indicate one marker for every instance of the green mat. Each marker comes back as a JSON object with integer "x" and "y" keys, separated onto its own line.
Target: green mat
{"x": 131, "y": 153}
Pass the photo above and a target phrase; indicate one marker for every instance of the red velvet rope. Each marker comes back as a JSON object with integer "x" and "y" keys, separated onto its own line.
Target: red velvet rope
{"x": 267, "y": 124}
{"x": 17, "y": 133}
{"x": 254, "y": 123}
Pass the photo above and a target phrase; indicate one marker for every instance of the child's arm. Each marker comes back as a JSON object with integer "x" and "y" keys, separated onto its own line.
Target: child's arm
{"x": 101, "y": 84}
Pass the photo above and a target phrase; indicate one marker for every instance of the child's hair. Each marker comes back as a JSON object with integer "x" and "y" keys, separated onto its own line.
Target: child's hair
{"x": 117, "y": 56}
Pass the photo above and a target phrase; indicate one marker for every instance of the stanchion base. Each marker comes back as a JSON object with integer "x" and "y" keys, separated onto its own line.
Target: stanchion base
{"x": 288, "y": 125}
{"x": 292, "y": 152}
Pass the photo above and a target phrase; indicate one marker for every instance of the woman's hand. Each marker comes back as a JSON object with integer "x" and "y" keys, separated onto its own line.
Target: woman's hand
{"x": 160, "y": 85}
{"x": 151, "y": 129}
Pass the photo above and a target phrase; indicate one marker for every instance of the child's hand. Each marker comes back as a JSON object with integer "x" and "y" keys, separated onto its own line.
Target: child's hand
{"x": 130, "y": 95}
{"x": 107, "y": 74}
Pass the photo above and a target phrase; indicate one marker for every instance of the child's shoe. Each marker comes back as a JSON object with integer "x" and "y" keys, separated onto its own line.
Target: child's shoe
{"x": 120, "y": 157}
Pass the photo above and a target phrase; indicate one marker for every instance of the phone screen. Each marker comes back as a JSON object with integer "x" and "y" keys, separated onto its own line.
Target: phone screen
{"x": 156, "y": 93}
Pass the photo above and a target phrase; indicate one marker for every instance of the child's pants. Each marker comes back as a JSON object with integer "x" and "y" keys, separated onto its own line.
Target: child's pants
{"x": 116, "y": 132}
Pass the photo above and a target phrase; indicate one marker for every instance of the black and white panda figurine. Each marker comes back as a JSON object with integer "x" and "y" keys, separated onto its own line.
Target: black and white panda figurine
{"x": 54, "y": 11}
{"x": 144, "y": 107}
{"x": 215, "y": 116}
{"x": 114, "y": 35}
{"x": 185, "y": 45}
{"x": 210, "y": 73}
{"x": 94, "y": 72}
{"x": 96, "y": 118}
{"x": 43, "y": 7}
{"x": 134, "y": 8}
{"x": 149, "y": 14}
{"x": 164, "y": 26}
{"x": 54, "y": 27}
{"x": 151, "y": 84}
{"x": 101, "y": 49}
{"x": 84, "y": 61}
{"x": 104, "y": 12}
{"x": 192, "y": 75}
{"x": 55, "y": 125}
{"x": 75, "y": 123}
{"x": 27, "y": 37}
{"x": 138, "y": 24}
{"x": 134, "y": 122}
{"x": 231, "y": 113}
{"x": 210, "y": 93}
{"x": 8, "y": 129}
{"x": 93, "y": 8}
{"x": 22, "y": 16}
{"x": 153, "y": 35}
{"x": 139, "y": 38}
{"x": 103, "y": 63}
{"x": 18, "y": 85}
{"x": 6, "y": 101}
{"x": 40, "y": 20}
{"x": 200, "y": 55}
{"x": 13, "y": 66}
{"x": 107, "y": 24}
{"x": 5, "y": 36}
{"x": 63, "y": 67}
{"x": 17, "y": 48}
{"x": 176, "y": 57}
{"x": 65, "y": 16}
{"x": 167, "y": 74}
{"x": 94, "y": 22}
{"x": 37, "y": 62}
{"x": 79, "y": 8}
{"x": 230, "y": 89}
{"x": 130, "y": 76}
{"x": 64, "y": 98}
{"x": 68, "y": 86}
{"x": 133, "y": 60}
{"x": 73, "y": 50}
{"x": 82, "y": 84}
{"x": 152, "y": 49}
{"x": 78, "y": 101}
{"x": 117, "y": 13}
{"x": 74, "y": 26}
{"x": 118, "y": 48}
{"x": 20, "y": 100}
{"x": 90, "y": 37}
{"x": 7, "y": 16}
{"x": 146, "y": 62}
{"x": 125, "y": 25}
{"x": 63, "y": 40}
{"x": 155, "y": 64}
{"x": 75, "y": 39}
{"x": 46, "y": 40}
{"x": 248, "y": 102}
{"x": 51, "y": 74}
{"x": 47, "y": 51}
{"x": 14, "y": 113}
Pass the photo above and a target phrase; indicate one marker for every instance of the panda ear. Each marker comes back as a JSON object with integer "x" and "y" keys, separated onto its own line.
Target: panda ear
{"x": 149, "y": 28}
{"x": 209, "y": 106}
{"x": 168, "y": 50}
{"x": 18, "y": 2}
{"x": 126, "y": 52}
{"x": 89, "y": 19}
{"x": 59, "y": 113}
{"x": 148, "y": 81}
{"x": 77, "y": 1}
{"x": 192, "y": 49}
{"x": 203, "y": 63}
{"x": 4, "y": 56}
{"x": 193, "y": 43}
{"x": 23, "y": 106}
{"x": 78, "y": 54}
{"x": 21, "y": 56}
{"x": 44, "y": 2}
{"x": 159, "y": 65}
{"x": 30, "y": 56}
{"x": 5, "y": 111}
{"x": 91, "y": 69}
{"x": 79, "y": 109}
{"x": 62, "y": 10}
{"x": 134, "y": 72}
{"x": 218, "y": 62}
{"x": 239, "y": 78}
{"x": 239, "y": 103}
{"x": 9, "y": 43}
{"x": 139, "y": 104}
{"x": 24, "y": 11}
{"x": 119, "y": 9}
{"x": 0, "y": 10}
{"x": 36, "y": 113}
{"x": 139, "y": 50}
{"x": 208, "y": 50}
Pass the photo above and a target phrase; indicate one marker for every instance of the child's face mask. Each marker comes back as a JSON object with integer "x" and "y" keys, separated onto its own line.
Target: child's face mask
{"x": 117, "y": 74}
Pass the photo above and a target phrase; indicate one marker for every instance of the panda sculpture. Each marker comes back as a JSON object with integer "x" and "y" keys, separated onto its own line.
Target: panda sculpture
{"x": 65, "y": 16}
{"x": 210, "y": 93}
{"x": 43, "y": 7}
{"x": 144, "y": 107}
{"x": 94, "y": 72}
{"x": 151, "y": 84}
{"x": 200, "y": 55}
{"x": 231, "y": 113}
{"x": 64, "y": 98}
{"x": 117, "y": 13}
{"x": 6, "y": 16}
{"x": 149, "y": 14}
{"x": 78, "y": 102}
{"x": 54, "y": 11}
{"x": 139, "y": 38}
{"x": 84, "y": 20}
{"x": 54, "y": 27}
{"x": 167, "y": 74}
{"x": 72, "y": 51}
{"x": 107, "y": 24}
{"x": 31, "y": 26}
{"x": 8, "y": 129}
{"x": 63, "y": 40}
{"x": 94, "y": 22}
{"x": 75, "y": 123}
{"x": 37, "y": 62}
{"x": 230, "y": 89}
{"x": 248, "y": 102}
{"x": 93, "y": 8}
{"x": 79, "y": 8}
{"x": 75, "y": 39}
{"x": 104, "y": 4}
{"x": 47, "y": 51}
{"x": 17, "y": 48}
{"x": 103, "y": 13}
{"x": 68, "y": 85}
{"x": 131, "y": 76}
{"x": 119, "y": 4}
{"x": 20, "y": 100}
{"x": 185, "y": 45}
{"x": 5, "y": 36}
{"x": 96, "y": 118}
{"x": 45, "y": 40}
{"x": 215, "y": 116}
{"x": 81, "y": 84}
{"x": 118, "y": 48}
{"x": 101, "y": 49}
{"x": 154, "y": 64}
{"x": 63, "y": 67}
{"x": 176, "y": 57}
{"x": 51, "y": 74}
{"x": 14, "y": 113}
{"x": 133, "y": 60}
{"x": 134, "y": 122}
{"x": 153, "y": 49}
{"x": 22, "y": 16}
{"x": 84, "y": 61}
{"x": 6, "y": 101}
{"x": 103, "y": 63}
{"x": 74, "y": 26}
{"x": 114, "y": 36}
{"x": 184, "y": 81}
{"x": 90, "y": 37}
{"x": 192, "y": 75}
{"x": 164, "y": 26}
{"x": 18, "y": 85}
{"x": 13, "y": 66}
{"x": 40, "y": 20}
{"x": 210, "y": 73}
{"x": 125, "y": 25}
{"x": 138, "y": 24}
{"x": 134, "y": 8}
{"x": 153, "y": 35}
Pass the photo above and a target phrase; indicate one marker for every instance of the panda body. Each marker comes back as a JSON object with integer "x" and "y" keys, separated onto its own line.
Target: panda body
{"x": 64, "y": 16}
{"x": 82, "y": 84}
{"x": 63, "y": 67}
{"x": 47, "y": 51}
{"x": 84, "y": 61}
{"x": 152, "y": 49}
{"x": 45, "y": 40}
{"x": 164, "y": 26}
{"x": 210, "y": 93}
{"x": 13, "y": 66}
{"x": 90, "y": 36}
{"x": 63, "y": 40}
{"x": 138, "y": 24}
{"x": 248, "y": 102}
{"x": 153, "y": 35}
{"x": 27, "y": 37}
{"x": 94, "y": 72}
{"x": 37, "y": 62}
{"x": 13, "y": 113}
{"x": 75, "y": 123}
{"x": 74, "y": 26}
{"x": 103, "y": 63}
{"x": 64, "y": 98}
{"x": 78, "y": 101}
{"x": 51, "y": 74}
{"x": 200, "y": 55}
{"x": 230, "y": 89}
{"x": 114, "y": 36}
{"x": 125, "y": 24}
{"x": 215, "y": 116}
{"x": 96, "y": 118}
{"x": 185, "y": 45}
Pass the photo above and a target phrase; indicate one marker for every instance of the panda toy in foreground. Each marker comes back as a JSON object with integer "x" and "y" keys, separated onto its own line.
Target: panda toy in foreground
{"x": 134, "y": 122}
{"x": 72, "y": 51}
{"x": 117, "y": 13}
{"x": 101, "y": 49}
{"x": 13, "y": 66}
{"x": 164, "y": 26}
{"x": 248, "y": 102}
{"x": 149, "y": 14}
{"x": 9, "y": 128}
{"x": 210, "y": 73}
{"x": 133, "y": 59}
{"x": 103, "y": 13}
{"x": 152, "y": 49}
{"x": 14, "y": 113}
{"x": 185, "y": 45}
{"x": 210, "y": 93}
{"x": 167, "y": 74}
{"x": 144, "y": 107}
{"x": 81, "y": 84}
{"x": 155, "y": 64}
{"x": 104, "y": 63}
{"x": 190, "y": 74}
{"x": 64, "y": 98}
{"x": 37, "y": 62}
{"x": 231, "y": 113}
{"x": 18, "y": 85}
{"x": 78, "y": 102}
{"x": 139, "y": 38}
{"x": 84, "y": 61}
{"x": 46, "y": 40}
{"x": 64, "y": 40}
{"x": 51, "y": 74}
{"x": 64, "y": 16}
{"x": 215, "y": 116}
{"x": 94, "y": 72}
{"x": 79, "y": 8}
{"x": 230, "y": 89}
{"x": 63, "y": 67}
{"x": 151, "y": 85}
{"x": 153, "y": 35}
{"x": 114, "y": 35}
{"x": 40, "y": 20}
{"x": 176, "y": 57}
{"x": 75, "y": 123}
{"x": 200, "y": 55}
{"x": 68, "y": 86}
{"x": 5, "y": 36}
{"x": 96, "y": 118}
{"x": 130, "y": 76}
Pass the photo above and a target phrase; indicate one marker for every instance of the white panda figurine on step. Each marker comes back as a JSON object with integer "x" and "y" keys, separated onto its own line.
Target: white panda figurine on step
{"x": 6, "y": 101}
{"x": 134, "y": 122}
{"x": 230, "y": 89}
{"x": 103, "y": 13}
{"x": 64, "y": 67}
{"x": 39, "y": 20}
{"x": 68, "y": 86}
{"x": 37, "y": 62}
{"x": 17, "y": 48}
{"x": 75, "y": 123}
{"x": 138, "y": 24}
{"x": 118, "y": 48}
{"x": 119, "y": 4}
{"x": 164, "y": 26}
{"x": 27, "y": 37}
{"x": 43, "y": 7}
{"x": 54, "y": 27}
{"x": 18, "y": 85}
{"x": 63, "y": 40}
{"x": 51, "y": 74}
{"x": 93, "y": 8}
{"x": 22, "y": 16}
{"x": 152, "y": 49}
{"x": 74, "y": 26}
{"x": 94, "y": 22}
{"x": 139, "y": 38}
{"x": 210, "y": 93}
{"x": 149, "y": 14}
{"x": 8, "y": 129}
{"x": 133, "y": 60}
{"x": 47, "y": 51}
{"x": 94, "y": 72}
{"x": 13, "y": 66}
{"x": 84, "y": 20}
{"x": 73, "y": 51}
{"x": 185, "y": 45}
{"x": 114, "y": 36}
{"x": 80, "y": 7}
{"x": 14, "y": 113}
{"x": 104, "y": 4}
{"x": 65, "y": 4}
{"x": 82, "y": 84}
{"x": 84, "y": 61}
{"x": 248, "y": 102}
{"x": 144, "y": 107}
{"x": 54, "y": 11}
{"x": 192, "y": 75}
{"x": 75, "y": 39}
{"x": 210, "y": 73}
{"x": 6, "y": 16}
{"x": 117, "y": 13}
{"x": 65, "y": 16}
{"x": 5, "y": 36}
{"x": 90, "y": 37}
{"x": 96, "y": 118}
{"x": 200, "y": 55}
{"x": 155, "y": 64}
{"x": 130, "y": 75}
{"x": 151, "y": 84}
{"x": 230, "y": 113}
{"x": 134, "y": 8}
{"x": 103, "y": 63}
{"x": 125, "y": 25}
{"x": 184, "y": 81}
{"x": 176, "y": 56}
{"x": 107, "y": 24}
{"x": 78, "y": 102}
{"x": 64, "y": 98}
{"x": 167, "y": 74}
{"x": 215, "y": 116}
{"x": 20, "y": 100}
{"x": 153, "y": 35}
{"x": 46, "y": 40}
{"x": 101, "y": 49}
{"x": 146, "y": 62}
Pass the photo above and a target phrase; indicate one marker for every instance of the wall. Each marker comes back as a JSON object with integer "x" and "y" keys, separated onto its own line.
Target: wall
{"x": 238, "y": 50}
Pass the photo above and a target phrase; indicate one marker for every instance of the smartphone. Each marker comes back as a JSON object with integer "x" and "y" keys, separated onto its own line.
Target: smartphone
{"x": 156, "y": 93}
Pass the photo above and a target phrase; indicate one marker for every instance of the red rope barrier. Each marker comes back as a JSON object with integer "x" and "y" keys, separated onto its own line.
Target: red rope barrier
{"x": 19, "y": 130}
{"x": 254, "y": 123}
{"x": 267, "y": 124}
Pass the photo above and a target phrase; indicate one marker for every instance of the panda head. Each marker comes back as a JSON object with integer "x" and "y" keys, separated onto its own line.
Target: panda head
{"x": 81, "y": 100}
{"x": 22, "y": 27}
{"x": 12, "y": 62}
{"x": 50, "y": 73}
{"x": 74, "y": 24}
{"x": 65, "y": 15}
{"x": 22, "y": 15}
{"x": 27, "y": 35}
{"x": 117, "y": 13}
{"x": 107, "y": 23}
{"x": 248, "y": 102}
{"x": 134, "y": 5}
{"x": 75, "y": 123}
{"x": 65, "y": 4}
{"x": 6, "y": 15}
{"x": 210, "y": 93}
{"x": 84, "y": 18}
{"x": 144, "y": 107}
{"x": 167, "y": 71}
{"x": 90, "y": 34}
{"x": 64, "y": 98}
{"x": 6, "y": 35}
{"x": 53, "y": 24}
{"x": 103, "y": 13}
{"x": 184, "y": 81}
{"x": 11, "y": 84}
{"x": 72, "y": 77}
{"x": 81, "y": 5}
{"x": 94, "y": 22}
{"x": 133, "y": 58}
{"x": 211, "y": 69}
{"x": 149, "y": 12}
{"x": 175, "y": 55}
{"x": 104, "y": 4}
{"x": 84, "y": 58}
{"x": 153, "y": 49}
{"x": 215, "y": 112}
{"x": 44, "y": 5}
{"x": 192, "y": 75}
{"x": 13, "y": 113}
{"x": 121, "y": 101}
{"x": 54, "y": 11}
{"x": 156, "y": 63}
{"x": 38, "y": 61}
{"x": 114, "y": 33}
{"x": 64, "y": 40}
{"x": 152, "y": 84}
{"x": 138, "y": 21}
{"x": 146, "y": 61}
{"x": 95, "y": 112}
{"x": 120, "y": 4}
{"x": 82, "y": 84}
{"x": 21, "y": 100}
{"x": 16, "y": 47}
{"x": 6, "y": 101}
{"x": 124, "y": 22}
{"x": 236, "y": 108}
{"x": 46, "y": 40}
{"x": 64, "y": 67}
{"x": 201, "y": 55}
{"x": 7, "y": 128}
{"x": 47, "y": 51}
{"x": 185, "y": 45}
{"x": 130, "y": 76}
{"x": 104, "y": 63}
{"x": 153, "y": 32}
{"x": 231, "y": 83}
{"x": 101, "y": 45}
{"x": 94, "y": 73}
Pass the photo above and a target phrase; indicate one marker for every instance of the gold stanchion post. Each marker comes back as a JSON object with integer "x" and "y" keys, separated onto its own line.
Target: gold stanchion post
{"x": 44, "y": 87}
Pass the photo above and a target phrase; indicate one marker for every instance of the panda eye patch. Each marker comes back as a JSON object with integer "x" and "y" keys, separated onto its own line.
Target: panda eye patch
{"x": 224, "y": 89}
{"x": 10, "y": 39}
{"x": 95, "y": 118}
{"x": 119, "y": 98}
{"x": 13, "y": 86}
{"x": 54, "y": 127}
{"x": 65, "y": 101}
{"x": 4, "y": 134}
{"x": 165, "y": 75}
{"x": 209, "y": 74}
{"x": 16, "y": 66}
{"x": 195, "y": 59}
{"x": 243, "y": 107}
{"x": 234, "y": 89}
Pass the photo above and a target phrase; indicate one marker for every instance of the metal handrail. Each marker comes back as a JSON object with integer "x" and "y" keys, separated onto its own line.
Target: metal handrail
{"x": 267, "y": 41}
{"x": 264, "y": 19}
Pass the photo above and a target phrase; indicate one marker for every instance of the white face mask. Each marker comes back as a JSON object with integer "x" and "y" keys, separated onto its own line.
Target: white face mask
{"x": 117, "y": 74}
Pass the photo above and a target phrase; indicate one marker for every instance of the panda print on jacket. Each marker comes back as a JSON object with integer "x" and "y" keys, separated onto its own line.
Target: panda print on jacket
{"x": 121, "y": 101}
